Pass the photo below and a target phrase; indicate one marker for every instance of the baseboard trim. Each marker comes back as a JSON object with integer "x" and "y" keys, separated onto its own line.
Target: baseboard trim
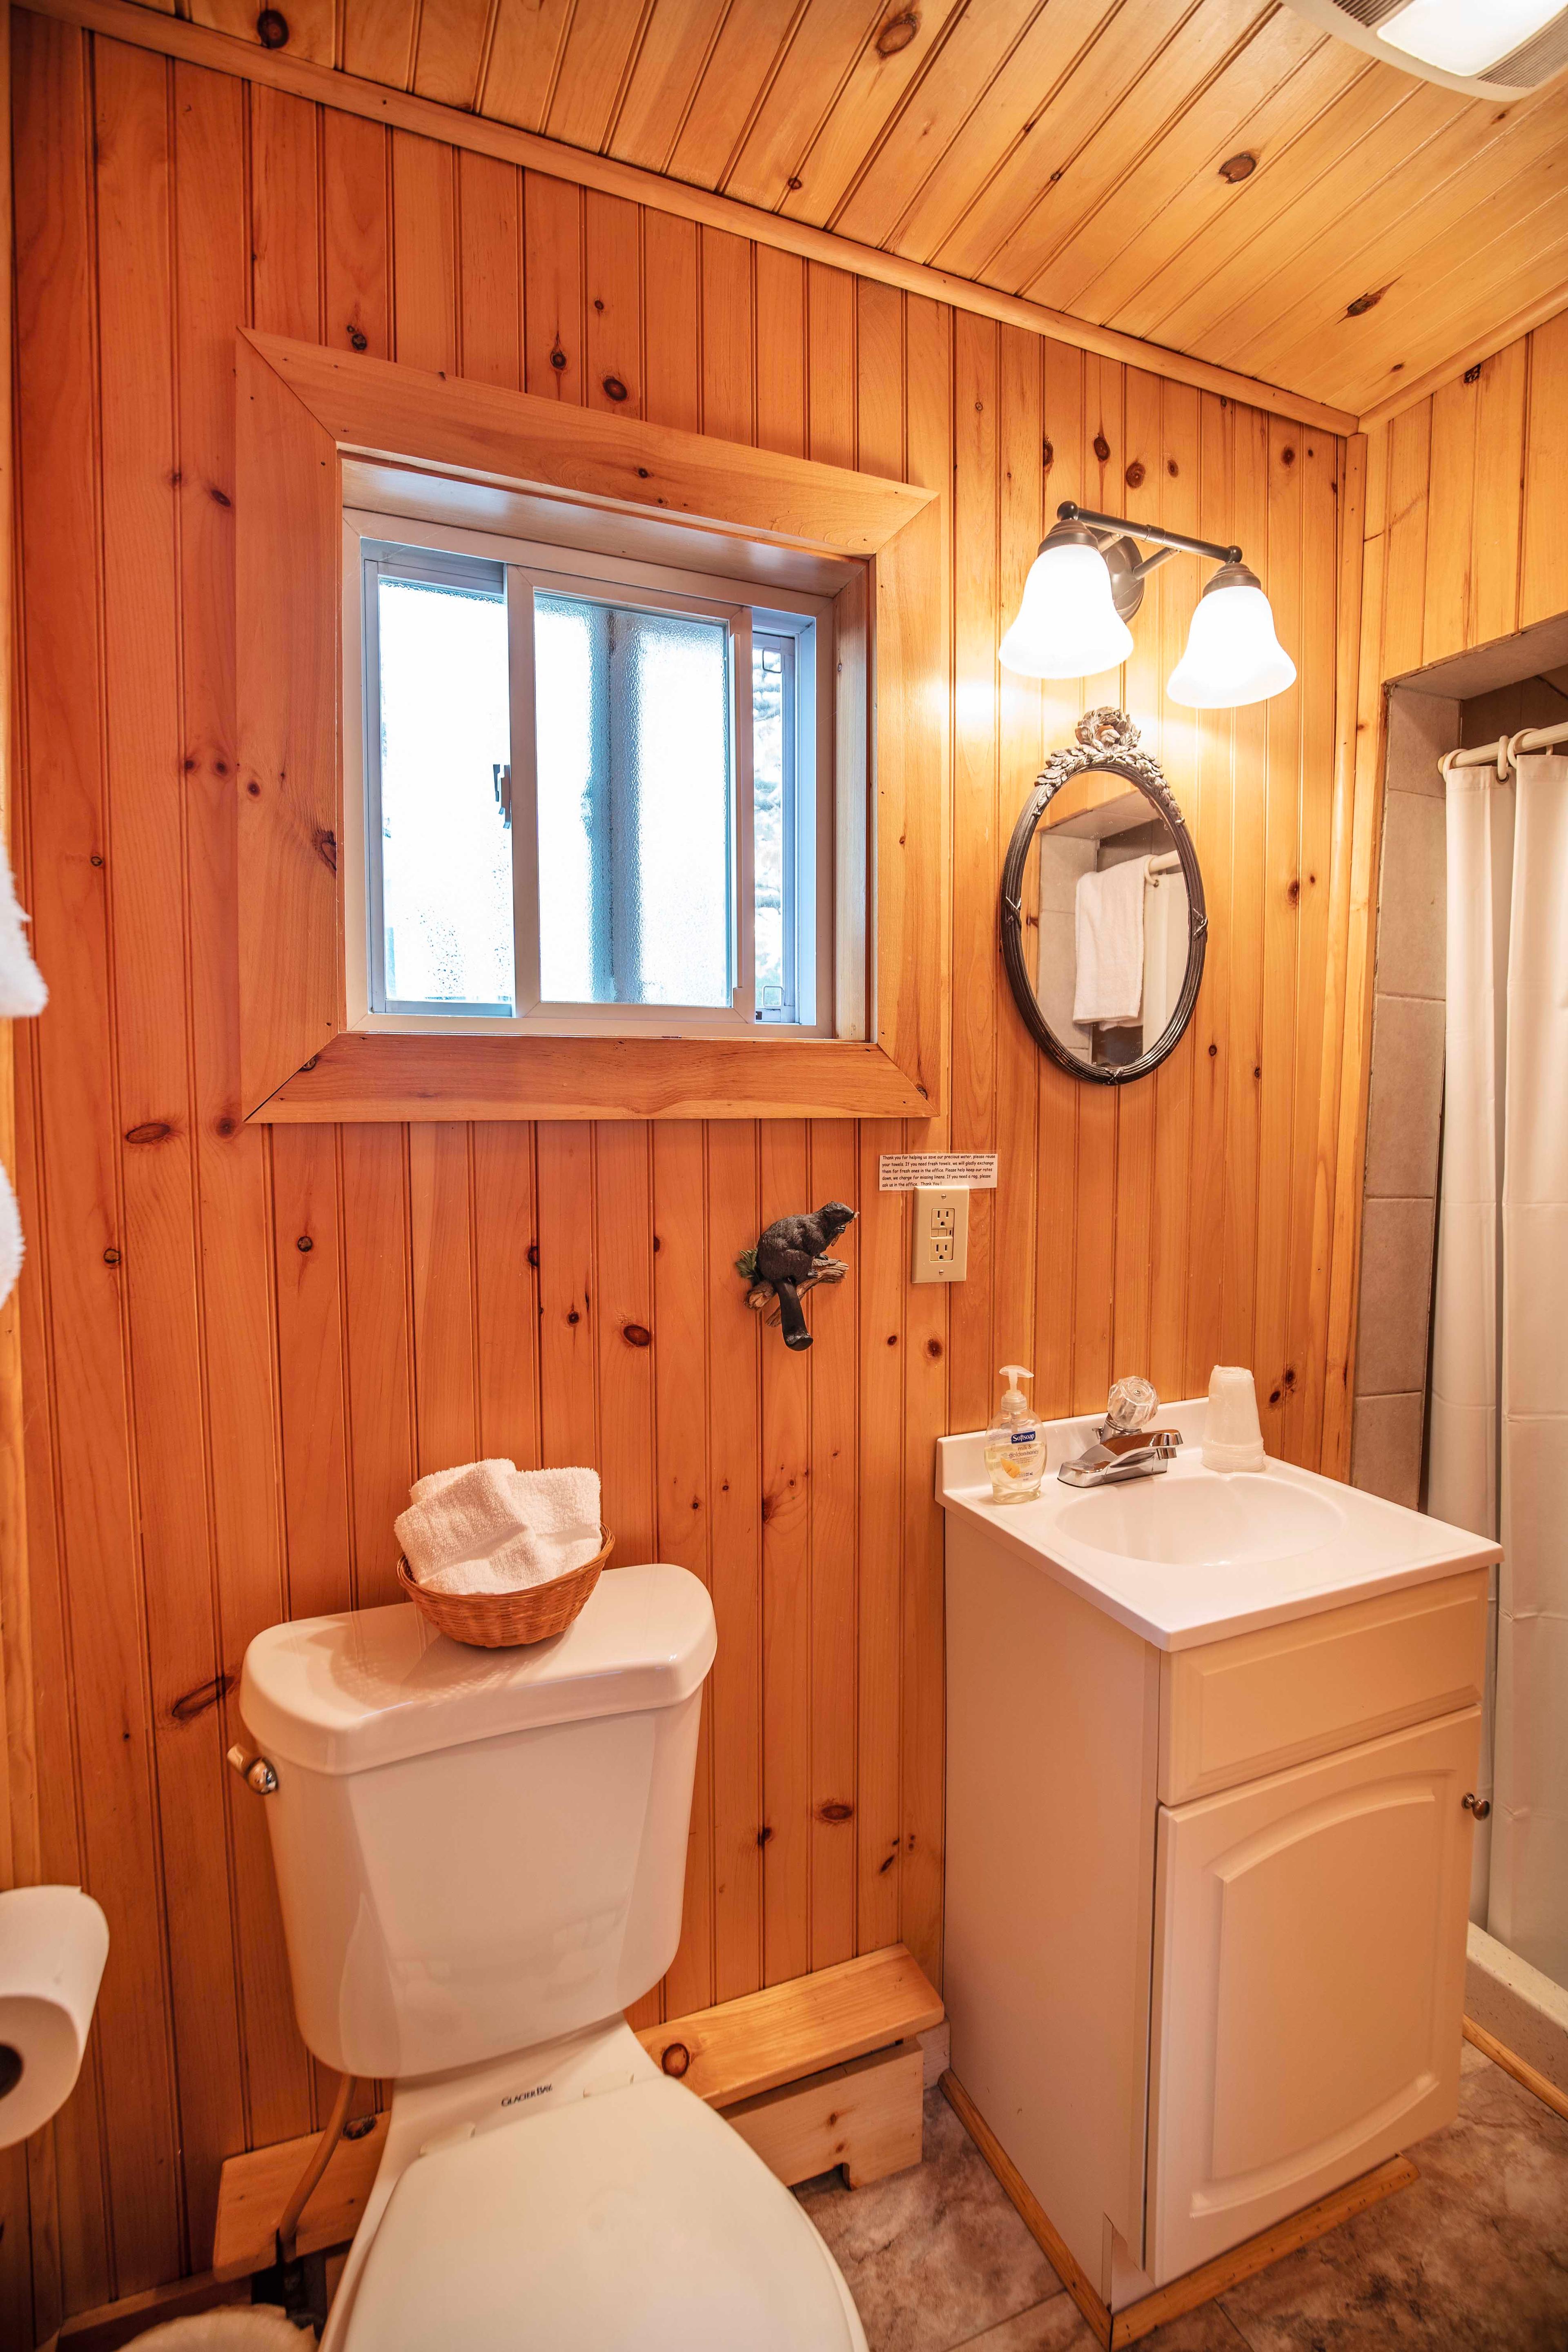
{"x": 1112, "y": 2330}
{"x": 1520, "y": 2068}
{"x": 1036, "y": 2218}
{"x": 114, "y": 2324}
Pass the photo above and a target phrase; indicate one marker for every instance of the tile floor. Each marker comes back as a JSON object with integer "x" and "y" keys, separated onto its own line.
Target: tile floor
{"x": 1472, "y": 2258}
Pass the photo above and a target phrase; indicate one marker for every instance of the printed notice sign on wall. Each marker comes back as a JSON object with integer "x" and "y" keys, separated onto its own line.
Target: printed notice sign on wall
{"x": 903, "y": 1171}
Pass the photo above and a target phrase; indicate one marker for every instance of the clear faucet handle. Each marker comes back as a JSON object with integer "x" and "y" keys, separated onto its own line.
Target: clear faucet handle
{"x": 1132, "y": 1404}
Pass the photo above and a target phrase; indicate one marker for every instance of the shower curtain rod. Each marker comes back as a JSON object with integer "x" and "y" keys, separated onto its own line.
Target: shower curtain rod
{"x": 1502, "y": 754}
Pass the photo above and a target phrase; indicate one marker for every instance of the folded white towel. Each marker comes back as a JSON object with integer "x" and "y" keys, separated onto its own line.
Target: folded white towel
{"x": 489, "y": 1527}
{"x": 436, "y": 1481}
{"x": 561, "y": 1508}
{"x": 515, "y": 1564}
{"x": 558, "y": 1502}
{"x": 466, "y": 1518}
{"x": 1109, "y": 925}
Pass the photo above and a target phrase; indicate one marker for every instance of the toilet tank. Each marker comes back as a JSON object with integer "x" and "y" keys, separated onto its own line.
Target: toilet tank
{"x": 479, "y": 1849}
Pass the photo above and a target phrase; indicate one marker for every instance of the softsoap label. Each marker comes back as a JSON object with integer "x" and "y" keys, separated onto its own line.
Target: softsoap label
{"x": 904, "y": 1171}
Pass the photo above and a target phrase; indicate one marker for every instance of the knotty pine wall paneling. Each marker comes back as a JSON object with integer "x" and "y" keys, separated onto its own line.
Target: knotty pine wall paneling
{"x": 242, "y": 1343}
{"x": 26, "y": 2192}
{"x": 1464, "y": 541}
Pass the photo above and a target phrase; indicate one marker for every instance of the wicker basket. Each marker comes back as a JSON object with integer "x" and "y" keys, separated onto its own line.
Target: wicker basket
{"x": 501, "y": 1620}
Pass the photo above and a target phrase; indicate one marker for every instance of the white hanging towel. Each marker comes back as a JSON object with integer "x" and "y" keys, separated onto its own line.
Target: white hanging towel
{"x": 22, "y": 994}
{"x": 10, "y": 1239}
{"x": 1109, "y": 923}
{"x": 22, "y": 990}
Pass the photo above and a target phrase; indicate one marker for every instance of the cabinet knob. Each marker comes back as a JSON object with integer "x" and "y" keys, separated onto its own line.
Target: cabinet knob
{"x": 1479, "y": 1806}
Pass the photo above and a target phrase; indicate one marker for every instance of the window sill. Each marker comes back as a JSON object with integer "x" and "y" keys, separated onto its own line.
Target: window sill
{"x": 363, "y": 1076}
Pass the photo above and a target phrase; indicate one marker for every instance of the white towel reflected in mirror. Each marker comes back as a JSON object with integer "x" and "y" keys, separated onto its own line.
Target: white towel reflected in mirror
{"x": 1108, "y": 916}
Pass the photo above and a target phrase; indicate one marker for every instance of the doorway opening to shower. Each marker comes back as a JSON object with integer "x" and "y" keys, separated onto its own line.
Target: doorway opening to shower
{"x": 1461, "y": 1369}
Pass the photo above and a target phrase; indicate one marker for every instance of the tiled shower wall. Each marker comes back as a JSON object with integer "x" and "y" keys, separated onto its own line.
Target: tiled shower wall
{"x": 1404, "y": 1109}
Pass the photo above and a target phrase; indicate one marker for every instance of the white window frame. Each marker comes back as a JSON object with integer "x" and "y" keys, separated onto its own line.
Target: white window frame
{"x": 529, "y": 564}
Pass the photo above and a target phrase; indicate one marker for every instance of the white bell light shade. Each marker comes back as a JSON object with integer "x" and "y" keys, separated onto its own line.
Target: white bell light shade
{"x": 1067, "y": 624}
{"x": 1232, "y": 657}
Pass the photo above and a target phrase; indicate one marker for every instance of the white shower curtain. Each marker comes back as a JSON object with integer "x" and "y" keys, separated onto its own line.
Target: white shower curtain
{"x": 1498, "y": 1428}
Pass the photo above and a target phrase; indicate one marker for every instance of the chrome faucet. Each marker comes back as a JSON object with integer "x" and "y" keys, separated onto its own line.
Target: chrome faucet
{"x": 1124, "y": 1445}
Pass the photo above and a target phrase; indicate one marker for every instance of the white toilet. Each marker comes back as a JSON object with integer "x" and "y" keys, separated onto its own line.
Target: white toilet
{"x": 480, "y": 1856}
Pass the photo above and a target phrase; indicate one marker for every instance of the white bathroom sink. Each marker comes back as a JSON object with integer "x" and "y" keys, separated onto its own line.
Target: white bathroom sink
{"x": 1202, "y": 1522}
{"x": 1196, "y": 1555}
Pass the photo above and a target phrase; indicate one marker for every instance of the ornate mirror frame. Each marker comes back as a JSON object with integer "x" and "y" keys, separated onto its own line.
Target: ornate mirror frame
{"x": 1106, "y": 744}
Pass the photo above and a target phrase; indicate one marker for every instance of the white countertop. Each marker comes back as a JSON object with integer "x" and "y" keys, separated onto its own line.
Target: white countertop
{"x": 1366, "y": 1545}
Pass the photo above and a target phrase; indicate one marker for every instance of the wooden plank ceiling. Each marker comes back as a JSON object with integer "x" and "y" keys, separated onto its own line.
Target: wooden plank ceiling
{"x": 1070, "y": 151}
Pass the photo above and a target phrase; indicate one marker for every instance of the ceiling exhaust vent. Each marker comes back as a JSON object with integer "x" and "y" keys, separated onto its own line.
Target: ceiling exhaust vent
{"x": 1488, "y": 48}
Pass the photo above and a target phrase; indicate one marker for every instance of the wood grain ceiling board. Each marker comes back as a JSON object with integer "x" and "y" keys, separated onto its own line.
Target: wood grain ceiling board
{"x": 525, "y": 56}
{"x": 1203, "y": 203}
{"x": 1023, "y": 111}
{"x": 1497, "y": 195}
{"x": 1260, "y": 90}
{"x": 1135, "y": 81}
{"x": 664, "y": 80}
{"x": 449, "y": 63}
{"x": 1465, "y": 167}
{"x": 1065, "y": 151}
{"x": 980, "y": 43}
{"x": 1227, "y": 236}
{"x": 1330, "y": 185}
{"x": 748, "y": 50}
{"x": 378, "y": 41}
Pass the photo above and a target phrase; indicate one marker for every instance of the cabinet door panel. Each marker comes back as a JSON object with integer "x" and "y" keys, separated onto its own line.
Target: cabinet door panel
{"x": 1309, "y": 1959}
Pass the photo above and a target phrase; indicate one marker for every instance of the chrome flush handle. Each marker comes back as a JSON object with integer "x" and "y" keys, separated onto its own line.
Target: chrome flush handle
{"x": 256, "y": 1771}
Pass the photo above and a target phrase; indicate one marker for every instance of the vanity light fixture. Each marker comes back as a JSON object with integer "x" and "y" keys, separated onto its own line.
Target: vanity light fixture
{"x": 1087, "y": 583}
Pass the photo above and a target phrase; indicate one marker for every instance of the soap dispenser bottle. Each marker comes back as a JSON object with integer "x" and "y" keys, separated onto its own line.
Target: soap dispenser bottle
{"x": 1015, "y": 1447}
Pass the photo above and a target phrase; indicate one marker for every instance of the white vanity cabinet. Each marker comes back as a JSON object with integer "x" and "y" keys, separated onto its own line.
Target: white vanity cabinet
{"x": 1206, "y": 1899}
{"x": 1309, "y": 1977}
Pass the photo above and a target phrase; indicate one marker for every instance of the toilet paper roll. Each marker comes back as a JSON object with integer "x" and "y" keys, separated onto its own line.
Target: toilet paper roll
{"x": 54, "y": 1941}
{"x": 1233, "y": 1435}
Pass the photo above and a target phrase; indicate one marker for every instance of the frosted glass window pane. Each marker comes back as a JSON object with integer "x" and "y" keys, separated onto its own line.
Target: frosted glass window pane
{"x": 446, "y": 852}
{"x": 769, "y": 679}
{"x": 636, "y": 816}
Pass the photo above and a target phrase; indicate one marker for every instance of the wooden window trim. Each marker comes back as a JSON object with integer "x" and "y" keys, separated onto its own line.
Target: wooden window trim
{"x": 304, "y": 413}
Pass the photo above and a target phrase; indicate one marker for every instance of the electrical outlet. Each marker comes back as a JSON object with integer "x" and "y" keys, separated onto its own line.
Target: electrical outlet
{"x": 940, "y": 1232}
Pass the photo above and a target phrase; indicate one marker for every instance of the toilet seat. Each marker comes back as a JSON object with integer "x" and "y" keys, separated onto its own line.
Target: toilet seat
{"x": 636, "y": 2220}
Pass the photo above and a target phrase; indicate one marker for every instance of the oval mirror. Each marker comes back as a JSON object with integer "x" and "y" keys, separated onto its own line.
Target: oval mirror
{"x": 1103, "y": 921}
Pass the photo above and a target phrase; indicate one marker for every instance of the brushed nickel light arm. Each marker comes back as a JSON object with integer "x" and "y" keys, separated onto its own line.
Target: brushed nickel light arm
{"x": 1116, "y": 536}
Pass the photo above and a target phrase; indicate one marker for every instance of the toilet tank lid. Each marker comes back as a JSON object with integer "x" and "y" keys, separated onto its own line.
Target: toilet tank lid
{"x": 374, "y": 1686}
